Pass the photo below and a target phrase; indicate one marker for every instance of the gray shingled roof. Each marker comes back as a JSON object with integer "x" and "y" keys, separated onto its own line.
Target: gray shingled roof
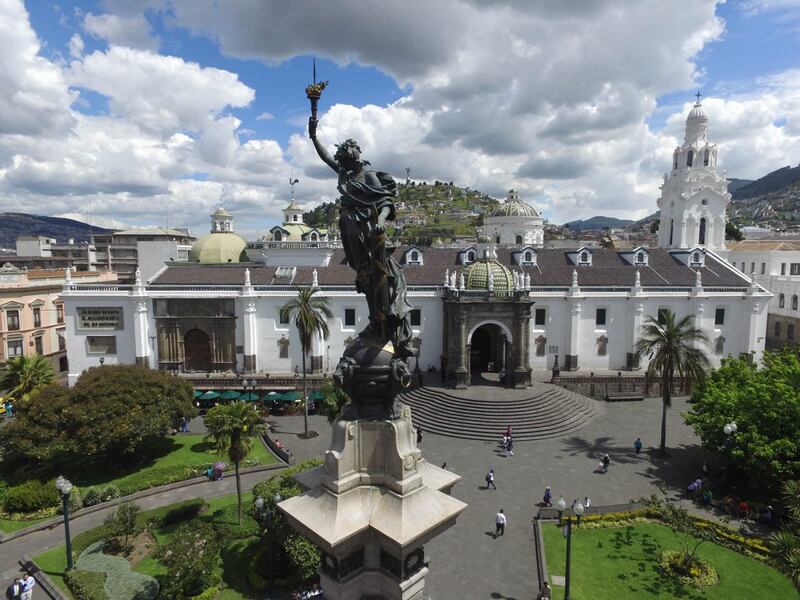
{"x": 553, "y": 268}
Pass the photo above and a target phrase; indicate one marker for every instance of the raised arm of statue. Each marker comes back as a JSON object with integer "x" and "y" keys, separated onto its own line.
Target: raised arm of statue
{"x": 323, "y": 153}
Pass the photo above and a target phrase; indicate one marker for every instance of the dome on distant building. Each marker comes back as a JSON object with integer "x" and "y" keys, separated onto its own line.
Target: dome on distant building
{"x": 697, "y": 112}
{"x": 477, "y": 276}
{"x": 514, "y": 207}
{"x": 221, "y": 245}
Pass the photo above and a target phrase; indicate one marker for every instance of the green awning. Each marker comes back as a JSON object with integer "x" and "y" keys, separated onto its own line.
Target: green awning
{"x": 291, "y": 396}
{"x": 230, "y": 395}
{"x": 272, "y": 396}
{"x": 209, "y": 395}
{"x": 316, "y": 395}
{"x": 198, "y": 393}
{"x": 249, "y": 397}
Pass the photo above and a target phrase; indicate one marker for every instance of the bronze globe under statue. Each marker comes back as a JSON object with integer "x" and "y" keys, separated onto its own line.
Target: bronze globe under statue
{"x": 373, "y": 368}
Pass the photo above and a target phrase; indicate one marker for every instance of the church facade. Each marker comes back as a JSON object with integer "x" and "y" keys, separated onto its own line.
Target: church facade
{"x": 509, "y": 305}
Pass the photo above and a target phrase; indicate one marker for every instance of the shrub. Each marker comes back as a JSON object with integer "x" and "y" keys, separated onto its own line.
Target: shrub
{"x": 3, "y": 491}
{"x": 192, "y": 556}
{"x": 83, "y": 540}
{"x": 123, "y": 523}
{"x": 31, "y": 496}
{"x": 99, "y": 494}
{"x": 698, "y": 573}
{"x": 86, "y": 585}
{"x": 74, "y": 503}
{"x": 121, "y": 583}
{"x": 208, "y": 594}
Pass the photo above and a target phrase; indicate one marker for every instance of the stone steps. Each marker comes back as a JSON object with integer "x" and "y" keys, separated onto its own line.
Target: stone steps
{"x": 483, "y": 412}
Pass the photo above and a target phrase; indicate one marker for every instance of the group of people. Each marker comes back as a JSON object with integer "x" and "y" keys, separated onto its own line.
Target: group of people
{"x": 507, "y": 443}
{"x": 547, "y": 499}
{"x": 21, "y": 589}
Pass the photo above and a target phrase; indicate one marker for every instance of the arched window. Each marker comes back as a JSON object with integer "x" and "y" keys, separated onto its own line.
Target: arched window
{"x": 277, "y": 237}
{"x": 497, "y": 239}
{"x": 529, "y": 256}
{"x": 690, "y": 158}
{"x": 294, "y": 217}
{"x": 640, "y": 257}
{"x": 675, "y": 161}
{"x": 794, "y": 302}
{"x": 671, "y": 230}
{"x": 706, "y": 156}
{"x": 314, "y": 237}
{"x": 781, "y": 301}
{"x": 696, "y": 257}
{"x": 470, "y": 256}
{"x": 701, "y": 239}
{"x": 518, "y": 239}
{"x": 584, "y": 257}
{"x": 414, "y": 256}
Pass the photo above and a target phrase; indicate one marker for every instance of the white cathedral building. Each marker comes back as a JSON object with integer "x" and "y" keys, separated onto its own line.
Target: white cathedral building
{"x": 508, "y": 304}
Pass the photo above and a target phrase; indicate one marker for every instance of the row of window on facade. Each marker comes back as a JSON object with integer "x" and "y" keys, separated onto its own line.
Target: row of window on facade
{"x": 690, "y": 159}
{"x": 782, "y": 301}
{"x": 13, "y": 321}
{"x": 14, "y": 346}
{"x": 789, "y": 330}
{"x": 349, "y": 317}
{"x": 601, "y": 315}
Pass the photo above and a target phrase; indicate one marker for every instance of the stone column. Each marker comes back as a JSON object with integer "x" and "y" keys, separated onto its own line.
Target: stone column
{"x": 250, "y": 336}
{"x": 571, "y": 355}
{"x": 141, "y": 332}
{"x": 636, "y": 331}
{"x": 462, "y": 372}
{"x": 699, "y": 313}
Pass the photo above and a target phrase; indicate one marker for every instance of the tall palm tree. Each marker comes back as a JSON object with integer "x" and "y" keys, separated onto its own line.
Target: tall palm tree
{"x": 232, "y": 427}
{"x": 670, "y": 345}
{"x": 24, "y": 375}
{"x": 311, "y": 318}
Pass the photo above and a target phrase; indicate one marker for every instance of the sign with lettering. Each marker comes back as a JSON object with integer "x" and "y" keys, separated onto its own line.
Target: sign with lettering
{"x": 99, "y": 318}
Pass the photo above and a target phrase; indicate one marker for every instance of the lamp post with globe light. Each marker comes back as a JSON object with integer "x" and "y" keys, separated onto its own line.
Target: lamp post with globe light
{"x": 578, "y": 510}
{"x": 65, "y": 487}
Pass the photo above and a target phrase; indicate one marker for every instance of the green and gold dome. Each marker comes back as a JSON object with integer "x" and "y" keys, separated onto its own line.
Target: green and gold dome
{"x": 477, "y": 276}
{"x": 220, "y": 246}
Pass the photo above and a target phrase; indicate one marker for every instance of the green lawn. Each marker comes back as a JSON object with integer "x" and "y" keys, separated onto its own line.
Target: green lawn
{"x": 235, "y": 556}
{"x": 164, "y": 460}
{"x": 621, "y": 563}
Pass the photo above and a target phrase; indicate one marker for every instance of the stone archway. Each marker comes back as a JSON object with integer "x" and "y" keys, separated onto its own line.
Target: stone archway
{"x": 488, "y": 347}
{"x": 197, "y": 346}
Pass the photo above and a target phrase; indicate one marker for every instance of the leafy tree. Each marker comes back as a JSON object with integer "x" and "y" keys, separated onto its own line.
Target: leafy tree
{"x": 232, "y": 427}
{"x": 785, "y": 544}
{"x": 670, "y": 346}
{"x": 732, "y": 232}
{"x": 192, "y": 556}
{"x": 123, "y": 524}
{"x": 765, "y": 405}
{"x": 107, "y": 416}
{"x": 333, "y": 399}
{"x": 310, "y": 317}
{"x": 23, "y": 375}
{"x": 654, "y": 226}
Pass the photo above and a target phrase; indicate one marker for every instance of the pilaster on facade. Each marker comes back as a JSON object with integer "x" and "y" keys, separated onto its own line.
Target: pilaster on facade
{"x": 571, "y": 357}
{"x": 250, "y": 336}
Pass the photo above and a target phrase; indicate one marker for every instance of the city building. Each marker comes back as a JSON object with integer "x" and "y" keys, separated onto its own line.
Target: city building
{"x": 221, "y": 245}
{"x": 514, "y": 222}
{"x": 32, "y": 313}
{"x": 775, "y": 265}
{"x": 145, "y": 248}
{"x": 694, "y": 196}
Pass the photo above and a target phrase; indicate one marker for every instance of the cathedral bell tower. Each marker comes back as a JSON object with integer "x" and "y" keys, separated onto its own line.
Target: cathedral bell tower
{"x": 694, "y": 196}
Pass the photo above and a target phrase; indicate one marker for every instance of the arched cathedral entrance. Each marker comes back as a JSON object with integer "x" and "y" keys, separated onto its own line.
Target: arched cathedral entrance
{"x": 198, "y": 350}
{"x": 488, "y": 348}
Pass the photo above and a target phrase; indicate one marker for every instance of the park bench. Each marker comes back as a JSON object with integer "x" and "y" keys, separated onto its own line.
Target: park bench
{"x": 624, "y": 397}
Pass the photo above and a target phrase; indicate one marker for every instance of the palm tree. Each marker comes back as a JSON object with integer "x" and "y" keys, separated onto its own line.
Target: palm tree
{"x": 231, "y": 427}
{"x": 333, "y": 400}
{"x": 310, "y": 317}
{"x": 24, "y": 375}
{"x": 671, "y": 349}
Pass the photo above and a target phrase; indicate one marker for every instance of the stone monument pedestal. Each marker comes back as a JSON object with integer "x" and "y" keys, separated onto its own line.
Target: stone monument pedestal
{"x": 371, "y": 507}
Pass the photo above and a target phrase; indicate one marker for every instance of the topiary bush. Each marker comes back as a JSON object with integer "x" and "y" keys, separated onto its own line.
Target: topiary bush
{"x": 121, "y": 583}
{"x": 86, "y": 585}
{"x": 31, "y": 496}
{"x": 697, "y": 573}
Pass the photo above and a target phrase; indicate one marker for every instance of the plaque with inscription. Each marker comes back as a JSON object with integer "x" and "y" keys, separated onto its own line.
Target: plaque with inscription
{"x": 100, "y": 318}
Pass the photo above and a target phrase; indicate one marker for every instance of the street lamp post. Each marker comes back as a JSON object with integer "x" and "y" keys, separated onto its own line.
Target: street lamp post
{"x": 65, "y": 487}
{"x": 578, "y": 510}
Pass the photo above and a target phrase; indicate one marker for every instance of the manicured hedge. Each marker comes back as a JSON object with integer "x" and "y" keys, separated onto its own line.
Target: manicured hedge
{"x": 31, "y": 496}
{"x": 86, "y": 585}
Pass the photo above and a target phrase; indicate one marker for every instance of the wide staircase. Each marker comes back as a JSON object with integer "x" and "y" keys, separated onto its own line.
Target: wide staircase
{"x": 483, "y": 412}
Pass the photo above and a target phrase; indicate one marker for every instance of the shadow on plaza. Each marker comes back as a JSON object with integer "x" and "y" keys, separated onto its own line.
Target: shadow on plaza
{"x": 682, "y": 465}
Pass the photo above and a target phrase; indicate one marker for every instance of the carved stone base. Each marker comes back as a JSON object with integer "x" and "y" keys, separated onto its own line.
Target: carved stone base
{"x": 371, "y": 508}
{"x": 632, "y": 361}
{"x": 570, "y": 362}
{"x": 143, "y": 361}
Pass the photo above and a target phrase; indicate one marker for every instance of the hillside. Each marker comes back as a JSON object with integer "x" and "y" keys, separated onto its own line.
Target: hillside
{"x": 596, "y": 223}
{"x": 426, "y": 213}
{"x": 14, "y": 225}
{"x": 734, "y": 184}
{"x": 769, "y": 183}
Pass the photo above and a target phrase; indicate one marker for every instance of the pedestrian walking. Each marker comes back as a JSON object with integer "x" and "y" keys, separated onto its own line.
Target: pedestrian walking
{"x": 606, "y": 462}
{"x": 547, "y": 499}
{"x": 637, "y": 445}
{"x": 500, "y": 523}
{"x": 444, "y": 465}
{"x": 508, "y": 431}
{"x": 546, "y": 593}
{"x": 14, "y": 591}
{"x": 28, "y": 583}
{"x": 490, "y": 479}
{"x": 419, "y": 435}
{"x": 509, "y": 448}
{"x": 587, "y": 502}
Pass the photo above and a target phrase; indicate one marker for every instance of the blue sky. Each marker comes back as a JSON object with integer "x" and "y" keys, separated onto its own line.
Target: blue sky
{"x": 138, "y": 104}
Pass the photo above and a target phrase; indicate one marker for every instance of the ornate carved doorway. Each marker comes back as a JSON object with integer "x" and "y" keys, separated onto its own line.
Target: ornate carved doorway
{"x": 487, "y": 349}
{"x": 198, "y": 350}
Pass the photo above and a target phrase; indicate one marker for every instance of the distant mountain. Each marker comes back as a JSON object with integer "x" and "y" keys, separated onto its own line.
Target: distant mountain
{"x": 597, "y": 223}
{"x": 14, "y": 225}
{"x": 734, "y": 184}
{"x": 771, "y": 182}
